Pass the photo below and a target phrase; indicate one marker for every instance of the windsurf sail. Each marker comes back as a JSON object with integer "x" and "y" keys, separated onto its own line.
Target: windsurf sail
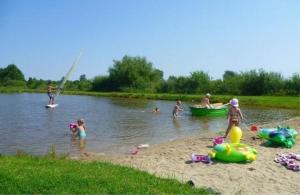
{"x": 67, "y": 76}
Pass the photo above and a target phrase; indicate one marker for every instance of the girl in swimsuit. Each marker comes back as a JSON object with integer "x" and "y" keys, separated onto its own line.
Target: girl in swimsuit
{"x": 79, "y": 129}
{"x": 234, "y": 115}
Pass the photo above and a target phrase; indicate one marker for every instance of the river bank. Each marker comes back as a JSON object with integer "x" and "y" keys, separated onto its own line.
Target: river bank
{"x": 288, "y": 102}
{"x": 172, "y": 160}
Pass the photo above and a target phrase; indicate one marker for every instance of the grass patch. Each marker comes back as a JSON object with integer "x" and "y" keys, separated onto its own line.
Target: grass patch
{"x": 25, "y": 174}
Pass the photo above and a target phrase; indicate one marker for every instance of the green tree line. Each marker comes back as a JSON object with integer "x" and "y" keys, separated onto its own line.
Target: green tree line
{"x": 136, "y": 74}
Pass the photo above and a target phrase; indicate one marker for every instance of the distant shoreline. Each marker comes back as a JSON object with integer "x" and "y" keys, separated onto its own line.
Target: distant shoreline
{"x": 288, "y": 102}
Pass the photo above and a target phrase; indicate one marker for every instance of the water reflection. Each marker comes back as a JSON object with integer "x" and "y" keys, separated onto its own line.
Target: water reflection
{"x": 129, "y": 102}
{"x": 78, "y": 144}
{"x": 204, "y": 124}
{"x": 176, "y": 123}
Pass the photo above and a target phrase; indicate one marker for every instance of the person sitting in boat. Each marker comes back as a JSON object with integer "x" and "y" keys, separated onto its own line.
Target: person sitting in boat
{"x": 234, "y": 115}
{"x": 205, "y": 101}
{"x": 177, "y": 108}
{"x": 79, "y": 129}
{"x": 50, "y": 89}
{"x": 156, "y": 110}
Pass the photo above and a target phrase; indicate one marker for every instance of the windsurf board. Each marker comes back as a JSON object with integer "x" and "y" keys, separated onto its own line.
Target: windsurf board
{"x": 51, "y": 105}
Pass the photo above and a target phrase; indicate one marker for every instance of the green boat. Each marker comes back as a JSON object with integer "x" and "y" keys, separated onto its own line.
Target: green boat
{"x": 200, "y": 111}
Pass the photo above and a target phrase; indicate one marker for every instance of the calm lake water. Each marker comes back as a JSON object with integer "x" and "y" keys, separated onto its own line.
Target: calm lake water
{"x": 114, "y": 124}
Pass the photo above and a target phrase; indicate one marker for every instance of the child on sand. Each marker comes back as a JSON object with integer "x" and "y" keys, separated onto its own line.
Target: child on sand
{"x": 234, "y": 115}
{"x": 177, "y": 108}
{"x": 79, "y": 129}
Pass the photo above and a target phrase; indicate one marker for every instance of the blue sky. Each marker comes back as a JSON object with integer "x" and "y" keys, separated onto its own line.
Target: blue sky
{"x": 43, "y": 37}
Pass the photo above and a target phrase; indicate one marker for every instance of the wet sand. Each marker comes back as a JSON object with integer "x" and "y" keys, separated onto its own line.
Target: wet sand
{"x": 173, "y": 160}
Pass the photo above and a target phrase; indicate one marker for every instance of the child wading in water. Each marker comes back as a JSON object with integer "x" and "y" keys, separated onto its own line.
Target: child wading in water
{"x": 79, "y": 129}
{"x": 156, "y": 110}
{"x": 177, "y": 108}
{"x": 234, "y": 115}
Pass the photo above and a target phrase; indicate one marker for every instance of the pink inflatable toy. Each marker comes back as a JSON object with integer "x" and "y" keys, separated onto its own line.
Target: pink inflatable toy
{"x": 218, "y": 140}
{"x": 73, "y": 125}
{"x": 134, "y": 151}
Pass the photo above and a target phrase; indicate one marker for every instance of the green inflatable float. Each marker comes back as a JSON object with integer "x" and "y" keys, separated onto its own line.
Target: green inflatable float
{"x": 279, "y": 136}
{"x": 233, "y": 152}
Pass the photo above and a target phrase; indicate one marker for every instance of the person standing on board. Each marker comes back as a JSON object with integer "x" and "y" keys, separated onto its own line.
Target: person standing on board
{"x": 50, "y": 89}
{"x": 205, "y": 101}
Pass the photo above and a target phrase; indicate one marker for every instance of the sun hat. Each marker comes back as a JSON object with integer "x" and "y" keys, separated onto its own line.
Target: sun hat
{"x": 234, "y": 102}
{"x": 208, "y": 95}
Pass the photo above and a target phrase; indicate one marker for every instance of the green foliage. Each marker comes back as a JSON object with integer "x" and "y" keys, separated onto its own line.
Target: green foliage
{"x": 12, "y": 76}
{"x": 33, "y": 83}
{"x": 137, "y": 75}
{"x": 199, "y": 82}
{"x": 177, "y": 84}
{"x": 14, "y": 83}
{"x": 102, "y": 83}
{"x": 231, "y": 83}
{"x": 134, "y": 74}
{"x": 272, "y": 82}
{"x": 77, "y": 85}
{"x": 85, "y": 85}
{"x": 48, "y": 175}
{"x": 251, "y": 83}
{"x": 258, "y": 83}
{"x": 292, "y": 86}
{"x": 261, "y": 83}
{"x": 82, "y": 78}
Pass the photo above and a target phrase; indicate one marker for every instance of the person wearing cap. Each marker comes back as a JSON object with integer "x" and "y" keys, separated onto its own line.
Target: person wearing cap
{"x": 234, "y": 115}
{"x": 205, "y": 101}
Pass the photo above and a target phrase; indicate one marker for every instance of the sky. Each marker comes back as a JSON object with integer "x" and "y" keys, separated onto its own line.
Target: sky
{"x": 43, "y": 37}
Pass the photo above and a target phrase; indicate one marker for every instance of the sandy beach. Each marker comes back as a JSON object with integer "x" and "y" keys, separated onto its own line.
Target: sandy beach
{"x": 173, "y": 160}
